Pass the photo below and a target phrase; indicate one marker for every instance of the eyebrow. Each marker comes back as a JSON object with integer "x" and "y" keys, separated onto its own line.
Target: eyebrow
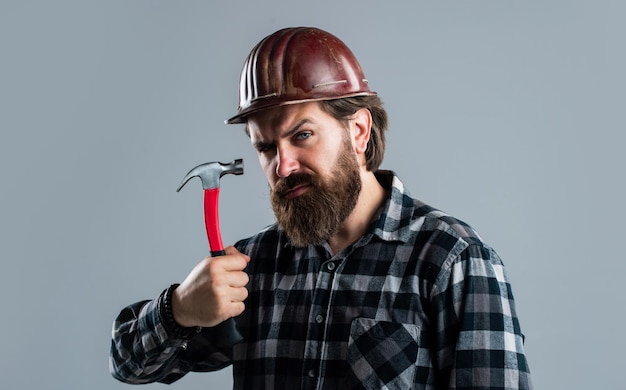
{"x": 260, "y": 144}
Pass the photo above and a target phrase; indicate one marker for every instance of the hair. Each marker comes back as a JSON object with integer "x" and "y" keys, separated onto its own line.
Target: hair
{"x": 342, "y": 109}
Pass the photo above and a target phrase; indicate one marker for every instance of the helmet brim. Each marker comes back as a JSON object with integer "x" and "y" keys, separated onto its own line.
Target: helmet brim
{"x": 285, "y": 101}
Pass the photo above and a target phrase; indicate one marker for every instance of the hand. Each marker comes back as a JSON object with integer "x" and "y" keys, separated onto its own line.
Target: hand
{"x": 213, "y": 292}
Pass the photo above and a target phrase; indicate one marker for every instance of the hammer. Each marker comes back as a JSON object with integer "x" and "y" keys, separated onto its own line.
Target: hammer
{"x": 210, "y": 174}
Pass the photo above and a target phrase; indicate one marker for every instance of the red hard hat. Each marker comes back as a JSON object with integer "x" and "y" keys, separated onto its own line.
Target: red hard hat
{"x": 296, "y": 65}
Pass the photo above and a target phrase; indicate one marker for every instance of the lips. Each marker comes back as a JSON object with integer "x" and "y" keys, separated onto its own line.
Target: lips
{"x": 296, "y": 191}
{"x": 293, "y": 185}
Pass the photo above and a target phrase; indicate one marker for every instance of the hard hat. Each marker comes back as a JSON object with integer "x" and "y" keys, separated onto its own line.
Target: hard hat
{"x": 296, "y": 65}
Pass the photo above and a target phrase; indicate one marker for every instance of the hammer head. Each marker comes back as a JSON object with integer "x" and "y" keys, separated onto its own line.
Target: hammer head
{"x": 211, "y": 172}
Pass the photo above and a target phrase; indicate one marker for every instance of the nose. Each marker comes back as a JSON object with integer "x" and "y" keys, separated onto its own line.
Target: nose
{"x": 286, "y": 162}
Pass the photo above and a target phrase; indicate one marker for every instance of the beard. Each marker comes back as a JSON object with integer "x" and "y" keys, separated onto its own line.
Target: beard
{"x": 316, "y": 215}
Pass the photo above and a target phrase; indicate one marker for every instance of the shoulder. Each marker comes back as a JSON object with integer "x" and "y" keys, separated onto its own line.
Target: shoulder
{"x": 450, "y": 255}
{"x": 429, "y": 220}
{"x": 405, "y": 217}
{"x": 434, "y": 235}
{"x": 267, "y": 234}
{"x": 266, "y": 242}
{"x": 419, "y": 224}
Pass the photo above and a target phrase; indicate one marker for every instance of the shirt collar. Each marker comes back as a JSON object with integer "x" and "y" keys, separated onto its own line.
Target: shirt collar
{"x": 392, "y": 222}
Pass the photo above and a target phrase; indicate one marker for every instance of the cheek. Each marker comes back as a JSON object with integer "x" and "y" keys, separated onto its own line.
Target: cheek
{"x": 269, "y": 168}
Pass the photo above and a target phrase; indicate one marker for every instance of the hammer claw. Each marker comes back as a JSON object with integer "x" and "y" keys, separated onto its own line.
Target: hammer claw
{"x": 211, "y": 172}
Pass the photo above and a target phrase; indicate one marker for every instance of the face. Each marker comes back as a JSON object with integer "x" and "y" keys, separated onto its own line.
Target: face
{"x": 310, "y": 162}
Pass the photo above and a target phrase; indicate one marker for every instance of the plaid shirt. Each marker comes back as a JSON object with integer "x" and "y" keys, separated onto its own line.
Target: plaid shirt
{"x": 419, "y": 302}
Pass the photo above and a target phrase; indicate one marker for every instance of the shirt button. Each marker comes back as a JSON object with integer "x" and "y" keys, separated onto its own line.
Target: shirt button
{"x": 319, "y": 318}
{"x": 330, "y": 266}
{"x": 311, "y": 373}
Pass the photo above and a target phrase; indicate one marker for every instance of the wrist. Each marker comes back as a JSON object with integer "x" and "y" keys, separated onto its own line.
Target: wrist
{"x": 173, "y": 328}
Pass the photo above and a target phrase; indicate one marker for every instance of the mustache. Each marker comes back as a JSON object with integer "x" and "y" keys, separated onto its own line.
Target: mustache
{"x": 285, "y": 184}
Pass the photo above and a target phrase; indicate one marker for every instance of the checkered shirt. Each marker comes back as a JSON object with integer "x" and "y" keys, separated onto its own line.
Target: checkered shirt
{"x": 419, "y": 302}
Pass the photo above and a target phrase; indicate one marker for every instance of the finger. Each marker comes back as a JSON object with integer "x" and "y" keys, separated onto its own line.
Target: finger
{"x": 231, "y": 279}
{"x": 236, "y": 262}
{"x": 231, "y": 250}
{"x": 238, "y": 294}
{"x": 236, "y": 308}
{"x": 239, "y": 279}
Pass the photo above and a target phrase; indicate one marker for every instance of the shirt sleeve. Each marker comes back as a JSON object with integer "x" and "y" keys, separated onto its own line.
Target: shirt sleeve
{"x": 479, "y": 340}
{"x": 143, "y": 352}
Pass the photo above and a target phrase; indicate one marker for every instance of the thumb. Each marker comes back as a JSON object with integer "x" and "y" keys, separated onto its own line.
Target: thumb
{"x": 231, "y": 250}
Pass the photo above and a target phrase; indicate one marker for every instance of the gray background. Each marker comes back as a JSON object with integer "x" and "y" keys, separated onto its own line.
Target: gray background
{"x": 507, "y": 114}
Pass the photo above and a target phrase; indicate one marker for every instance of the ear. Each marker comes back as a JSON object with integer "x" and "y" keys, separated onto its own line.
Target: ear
{"x": 361, "y": 130}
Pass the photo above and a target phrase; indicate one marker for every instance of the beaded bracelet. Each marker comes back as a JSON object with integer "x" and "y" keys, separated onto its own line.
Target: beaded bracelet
{"x": 171, "y": 326}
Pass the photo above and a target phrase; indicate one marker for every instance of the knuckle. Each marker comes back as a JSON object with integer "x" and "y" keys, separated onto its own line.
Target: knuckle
{"x": 217, "y": 279}
{"x": 238, "y": 308}
{"x": 216, "y": 268}
{"x": 222, "y": 312}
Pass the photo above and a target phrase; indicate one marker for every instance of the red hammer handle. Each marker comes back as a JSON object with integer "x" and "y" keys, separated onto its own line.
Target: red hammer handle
{"x": 229, "y": 335}
{"x": 212, "y": 221}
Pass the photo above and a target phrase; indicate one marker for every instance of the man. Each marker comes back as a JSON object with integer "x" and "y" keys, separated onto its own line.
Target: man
{"x": 357, "y": 285}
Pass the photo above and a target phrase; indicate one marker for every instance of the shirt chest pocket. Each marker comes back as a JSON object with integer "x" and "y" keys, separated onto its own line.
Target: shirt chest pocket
{"x": 382, "y": 354}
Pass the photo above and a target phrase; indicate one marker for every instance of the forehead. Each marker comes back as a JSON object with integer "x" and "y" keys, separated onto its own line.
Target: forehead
{"x": 283, "y": 118}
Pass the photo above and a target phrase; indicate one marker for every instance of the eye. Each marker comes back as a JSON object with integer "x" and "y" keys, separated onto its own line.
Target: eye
{"x": 265, "y": 148}
{"x": 303, "y": 135}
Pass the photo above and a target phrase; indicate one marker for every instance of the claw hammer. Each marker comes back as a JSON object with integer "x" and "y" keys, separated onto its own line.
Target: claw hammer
{"x": 210, "y": 174}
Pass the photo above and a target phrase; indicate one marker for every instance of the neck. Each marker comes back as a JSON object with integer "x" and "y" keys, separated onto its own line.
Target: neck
{"x": 370, "y": 200}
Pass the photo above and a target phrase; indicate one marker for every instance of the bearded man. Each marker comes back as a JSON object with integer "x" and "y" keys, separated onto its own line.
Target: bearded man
{"x": 357, "y": 285}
